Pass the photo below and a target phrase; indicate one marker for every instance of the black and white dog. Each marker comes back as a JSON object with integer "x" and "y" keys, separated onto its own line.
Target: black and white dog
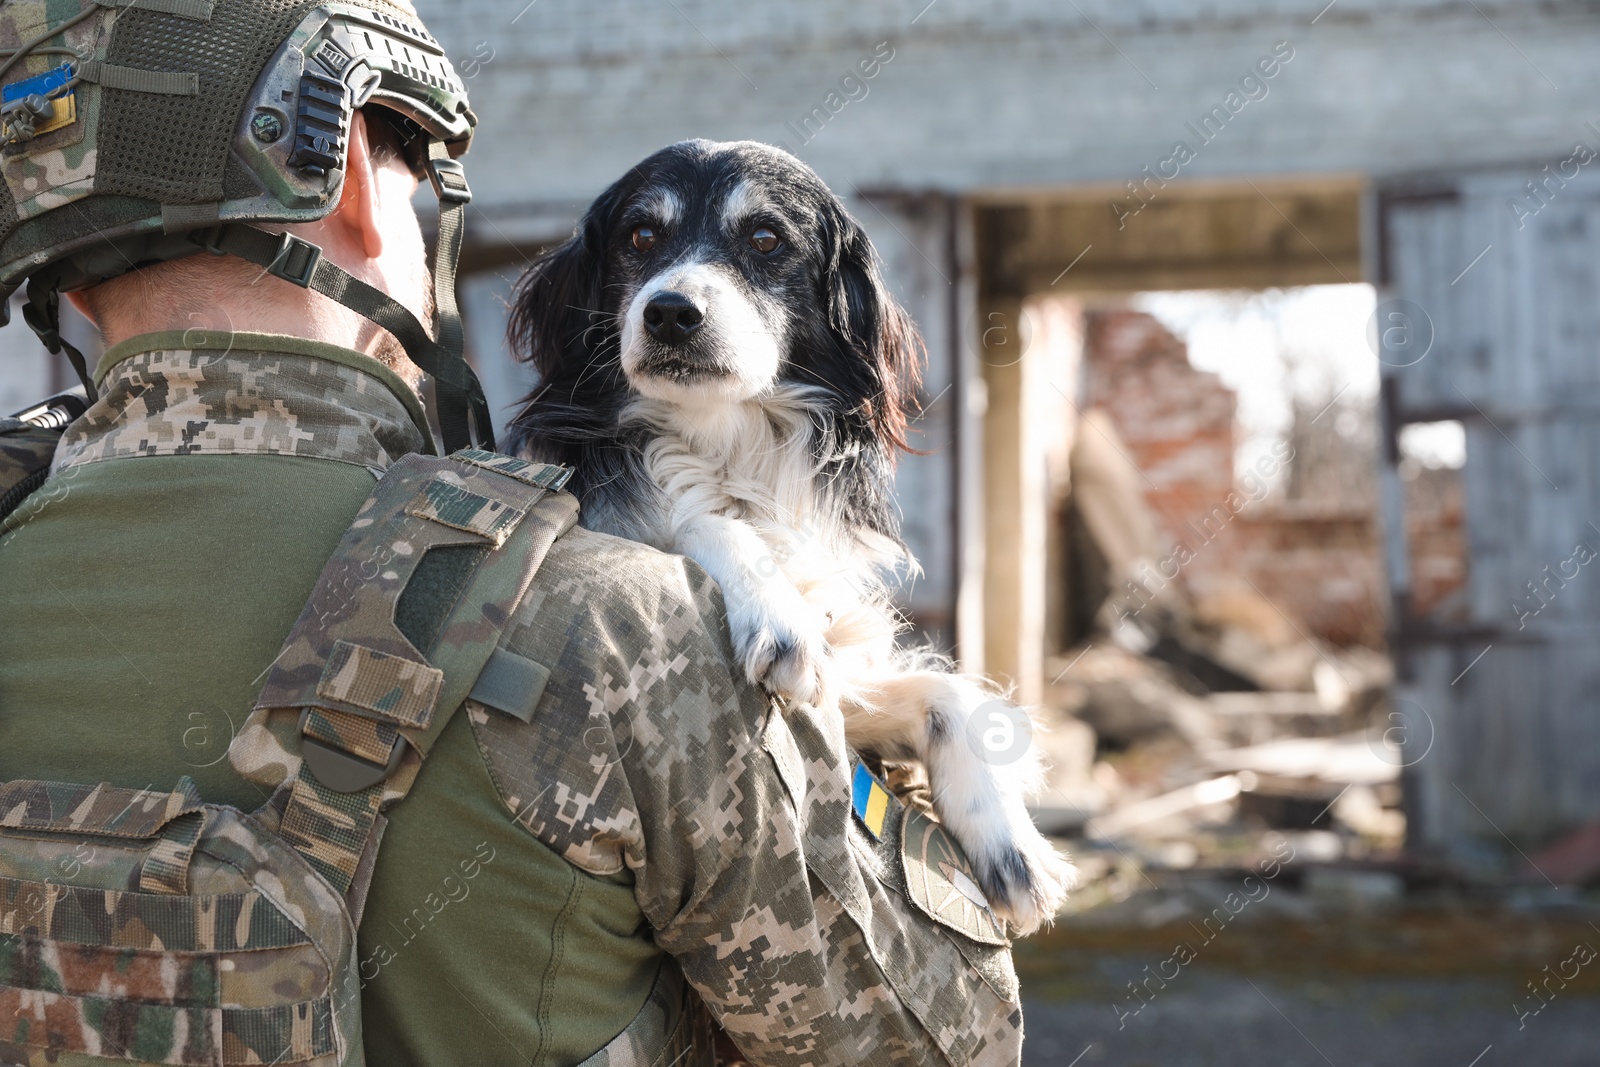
{"x": 722, "y": 366}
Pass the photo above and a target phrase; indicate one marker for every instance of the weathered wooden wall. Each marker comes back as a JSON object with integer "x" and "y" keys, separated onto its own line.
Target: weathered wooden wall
{"x": 1505, "y": 308}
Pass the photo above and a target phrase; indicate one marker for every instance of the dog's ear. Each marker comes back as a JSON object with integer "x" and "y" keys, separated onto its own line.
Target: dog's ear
{"x": 557, "y": 317}
{"x": 866, "y": 318}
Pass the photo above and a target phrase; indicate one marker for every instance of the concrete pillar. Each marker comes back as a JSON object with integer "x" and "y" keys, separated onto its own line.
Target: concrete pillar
{"x": 1030, "y": 352}
{"x": 916, "y": 240}
{"x": 1014, "y": 523}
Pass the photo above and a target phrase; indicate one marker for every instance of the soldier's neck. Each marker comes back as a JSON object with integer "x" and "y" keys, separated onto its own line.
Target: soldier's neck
{"x": 300, "y": 313}
{"x": 229, "y": 295}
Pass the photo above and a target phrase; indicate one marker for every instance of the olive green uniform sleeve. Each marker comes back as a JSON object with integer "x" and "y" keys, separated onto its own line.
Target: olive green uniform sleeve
{"x": 649, "y": 754}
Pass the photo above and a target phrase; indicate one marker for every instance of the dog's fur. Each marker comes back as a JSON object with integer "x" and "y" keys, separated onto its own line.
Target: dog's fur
{"x": 762, "y": 445}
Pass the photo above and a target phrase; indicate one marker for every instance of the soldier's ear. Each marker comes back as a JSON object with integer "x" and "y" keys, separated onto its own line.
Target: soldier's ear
{"x": 358, "y": 218}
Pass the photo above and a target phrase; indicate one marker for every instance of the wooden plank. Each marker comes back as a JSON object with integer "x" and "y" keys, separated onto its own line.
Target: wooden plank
{"x": 1514, "y": 300}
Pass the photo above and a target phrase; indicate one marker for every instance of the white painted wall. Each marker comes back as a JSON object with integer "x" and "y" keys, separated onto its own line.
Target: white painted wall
{"x": 1002, "y": 94}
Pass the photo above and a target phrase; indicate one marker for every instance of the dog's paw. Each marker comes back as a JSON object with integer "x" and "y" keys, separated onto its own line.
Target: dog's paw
{"x": 781, "y": 647}
{"x": 1020, "y": 872}
{"x": 1028, "y": 883}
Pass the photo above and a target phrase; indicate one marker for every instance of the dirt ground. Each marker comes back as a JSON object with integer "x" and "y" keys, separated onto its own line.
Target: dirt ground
{"x": 1439, "y": 981}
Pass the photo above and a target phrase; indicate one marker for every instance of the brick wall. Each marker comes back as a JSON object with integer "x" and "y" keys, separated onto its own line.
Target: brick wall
{"x": 1320, "y": 565}
{"x": 1436, "y": 536}
{"x": 1317, "y": 559}
{"x": 1177, "y": 422}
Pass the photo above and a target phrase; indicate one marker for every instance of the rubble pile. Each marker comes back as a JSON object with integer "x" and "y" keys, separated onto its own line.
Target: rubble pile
{"x": 1122, "y": 730}
{"x": 1148, "y": 774}
{"x": 1200, "y": 735}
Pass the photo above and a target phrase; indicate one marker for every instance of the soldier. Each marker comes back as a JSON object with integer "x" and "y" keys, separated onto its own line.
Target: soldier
{"x": 613, "y": 812}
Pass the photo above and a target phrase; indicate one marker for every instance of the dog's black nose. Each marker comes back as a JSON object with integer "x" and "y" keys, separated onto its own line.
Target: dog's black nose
{"x": 671, "y": 318}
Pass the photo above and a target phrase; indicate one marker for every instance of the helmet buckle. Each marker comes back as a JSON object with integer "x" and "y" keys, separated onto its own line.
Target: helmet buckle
{"x": 295, "y": 260}
{"x": 449, "y": 180}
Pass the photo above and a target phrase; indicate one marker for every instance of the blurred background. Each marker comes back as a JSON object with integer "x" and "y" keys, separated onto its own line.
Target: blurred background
{"x": 1262, "y": 422}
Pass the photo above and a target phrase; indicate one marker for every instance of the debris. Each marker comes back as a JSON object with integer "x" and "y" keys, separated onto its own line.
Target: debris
{"x": 1164, "y": 911}
{"x": 1349, "y": 759}
{"x": 1237, "y": 610}
{"x": 1127, "y": 699}
{"x": 1109, "y": 509}
{"x": 1315, "y": 846}
{"x": 1254, "y": 718}
{"x": 1178, "y": 802}
{"x": 1291, "y": 803}
{"x": 1361, "y": 808}
{"x": 1574, "y": 860}
{"x": 1353, "y": 679}
{"x": 1071, "y": 793}
{"x": 1173, "y": 855}
{"x": 1195, "y": 718}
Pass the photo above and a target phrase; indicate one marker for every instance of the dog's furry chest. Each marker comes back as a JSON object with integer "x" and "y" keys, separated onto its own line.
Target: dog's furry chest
{"x": 754, "y": 474}
{"x": 752, "y": 463}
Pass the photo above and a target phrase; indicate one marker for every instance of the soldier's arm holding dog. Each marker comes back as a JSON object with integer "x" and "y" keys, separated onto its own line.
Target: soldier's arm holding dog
{"x": 651, "y": 756}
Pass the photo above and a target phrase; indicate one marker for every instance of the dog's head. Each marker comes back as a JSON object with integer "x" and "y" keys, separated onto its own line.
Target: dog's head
{"x": 712, "y": 273}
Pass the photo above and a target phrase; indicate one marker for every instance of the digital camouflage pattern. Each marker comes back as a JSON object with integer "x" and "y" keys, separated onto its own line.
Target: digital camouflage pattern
{"x": 241, "y": 971}
{"x": 349, "y": 679}
{"x": 159, "y": 111}
{"x": 647, "y": 754}
{"x": 544, "y": 475}
{"x": 346, "y": 652}
{"x": 348, "y": 667}
{"x": 447, "y": 501}
{"x": 224, "y": 394}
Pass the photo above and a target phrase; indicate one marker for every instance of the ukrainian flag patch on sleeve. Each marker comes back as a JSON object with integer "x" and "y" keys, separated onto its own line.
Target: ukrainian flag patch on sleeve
{"x": 872, "y": 802}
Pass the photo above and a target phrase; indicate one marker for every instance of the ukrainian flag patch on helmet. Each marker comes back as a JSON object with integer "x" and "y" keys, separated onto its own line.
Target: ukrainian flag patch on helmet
{"x": 64, "y": 108}
{"x": 872, "y": 802}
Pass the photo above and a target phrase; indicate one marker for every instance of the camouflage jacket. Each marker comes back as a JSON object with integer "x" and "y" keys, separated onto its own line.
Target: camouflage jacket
{"x": 639, "y": 756}
{"x": 649, "y": 754}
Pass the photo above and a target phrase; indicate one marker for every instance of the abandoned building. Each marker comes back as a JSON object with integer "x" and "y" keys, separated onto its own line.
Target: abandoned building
{"x": 1022, "y": 166}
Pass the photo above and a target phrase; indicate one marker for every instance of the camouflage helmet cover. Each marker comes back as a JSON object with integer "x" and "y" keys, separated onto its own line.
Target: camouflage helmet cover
{"x": 178, "y": 115}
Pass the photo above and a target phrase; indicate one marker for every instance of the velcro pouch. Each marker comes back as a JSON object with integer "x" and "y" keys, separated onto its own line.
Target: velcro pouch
{"x": 138, "y": 925}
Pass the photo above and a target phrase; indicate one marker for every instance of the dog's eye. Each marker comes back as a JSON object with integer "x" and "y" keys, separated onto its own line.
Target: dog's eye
{"x": 644, "y": 238}
{"x": 763, "y": 240}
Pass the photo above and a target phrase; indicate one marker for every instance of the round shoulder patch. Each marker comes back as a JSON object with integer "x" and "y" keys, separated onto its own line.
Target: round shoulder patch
{"x": 939, "y": 880}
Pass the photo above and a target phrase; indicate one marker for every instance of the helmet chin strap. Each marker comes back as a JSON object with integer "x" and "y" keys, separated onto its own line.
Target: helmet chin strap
{"x": 463, "y": 411}
{"x": 42, "y": 313}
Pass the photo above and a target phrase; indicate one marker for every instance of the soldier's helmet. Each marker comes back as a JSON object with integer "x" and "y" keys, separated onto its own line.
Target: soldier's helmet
{"x": 139, "y": 131}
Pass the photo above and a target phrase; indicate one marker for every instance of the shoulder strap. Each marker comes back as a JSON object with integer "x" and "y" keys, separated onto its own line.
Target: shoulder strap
{"x": 405, "y": 617}
{"x": 28, "y": 443}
